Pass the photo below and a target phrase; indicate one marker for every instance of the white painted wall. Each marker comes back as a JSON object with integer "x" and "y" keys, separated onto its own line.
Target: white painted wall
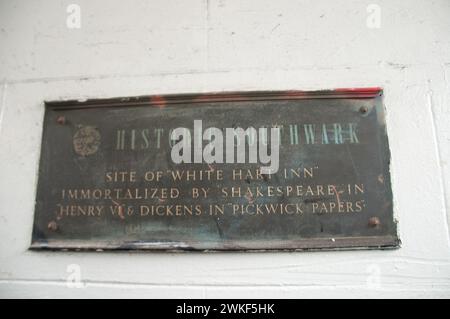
{"x": 127, "y": 48}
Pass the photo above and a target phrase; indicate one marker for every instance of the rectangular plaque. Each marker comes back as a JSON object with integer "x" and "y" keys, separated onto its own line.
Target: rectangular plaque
{"x": 107, "y": 179}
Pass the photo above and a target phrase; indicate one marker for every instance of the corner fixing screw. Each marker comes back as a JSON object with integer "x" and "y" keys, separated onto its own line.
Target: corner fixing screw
{"x": 363, "y": 109}
{"x": 61, "y": 120}
{"x": 374, "y": 222}
{"x": 52, "y": 226}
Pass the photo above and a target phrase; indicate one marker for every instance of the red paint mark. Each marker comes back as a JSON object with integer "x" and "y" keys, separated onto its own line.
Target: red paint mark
{"x": 337, "y": 195}
{"x": 158, "y": 100}
{"x": 161, "y": 200}
{"x": 249, "y": 198}
{"x": 119, "y": 209}
{"x": 374, "y": 89}
{"x": 360, "y": 92}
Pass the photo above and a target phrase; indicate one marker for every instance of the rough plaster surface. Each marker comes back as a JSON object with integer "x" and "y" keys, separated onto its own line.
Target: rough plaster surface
{"x": 127, "y": 48}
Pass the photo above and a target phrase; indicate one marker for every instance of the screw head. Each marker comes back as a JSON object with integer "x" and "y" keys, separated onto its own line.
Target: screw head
{"x": 52, "y": 226}
{"x": 374, "y": 222}
{"x": 363, "y": 109}
{"x": 61, "y": 120}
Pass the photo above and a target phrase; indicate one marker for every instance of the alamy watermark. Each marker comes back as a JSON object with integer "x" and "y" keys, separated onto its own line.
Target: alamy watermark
{"x": 73, "y": 20}
{"x": 373, "y": 20}
{"x": 373, "y": 280}
{"x": 241, "y": 146}
{"x": 73, "y": 279}
{"x": 199, "y": 144}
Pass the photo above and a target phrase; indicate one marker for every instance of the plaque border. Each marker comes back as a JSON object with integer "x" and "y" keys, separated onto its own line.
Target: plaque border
{"x": 310, "y": 244}
{"x": 233, "y": 96}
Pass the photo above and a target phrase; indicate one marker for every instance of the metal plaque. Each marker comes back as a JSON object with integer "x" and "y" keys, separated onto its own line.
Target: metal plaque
{"x": 108, "y": 180}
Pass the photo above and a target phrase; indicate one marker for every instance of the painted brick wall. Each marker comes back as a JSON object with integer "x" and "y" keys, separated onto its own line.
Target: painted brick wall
{"x": 126, "y": 48}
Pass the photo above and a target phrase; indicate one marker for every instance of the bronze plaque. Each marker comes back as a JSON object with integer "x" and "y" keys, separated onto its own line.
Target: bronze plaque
{"x": 107, "y": 179}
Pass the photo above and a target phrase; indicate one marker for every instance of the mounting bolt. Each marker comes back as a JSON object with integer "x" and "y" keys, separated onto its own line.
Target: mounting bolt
{"x": 374, "y": 222}
{"x": 52, "y": 226}
{"x": 61, "y": 120}
{"x": 363, "y": 109}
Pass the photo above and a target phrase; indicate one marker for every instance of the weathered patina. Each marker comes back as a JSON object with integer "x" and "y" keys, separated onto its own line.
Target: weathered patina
{"x": 107, "y": 181}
